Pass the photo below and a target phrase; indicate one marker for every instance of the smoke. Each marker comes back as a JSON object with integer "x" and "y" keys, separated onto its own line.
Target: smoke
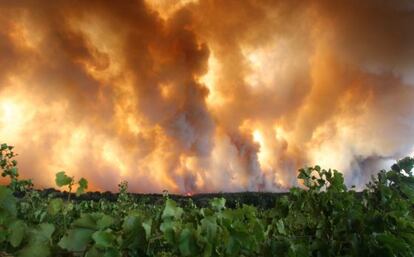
{"x": 205, "y": 95}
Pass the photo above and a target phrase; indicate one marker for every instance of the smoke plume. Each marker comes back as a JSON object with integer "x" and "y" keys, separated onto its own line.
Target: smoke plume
{"x": 205, "y": 95}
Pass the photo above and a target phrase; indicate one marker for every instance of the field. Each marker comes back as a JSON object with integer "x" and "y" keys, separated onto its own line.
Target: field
{"x": 324, "y": 218}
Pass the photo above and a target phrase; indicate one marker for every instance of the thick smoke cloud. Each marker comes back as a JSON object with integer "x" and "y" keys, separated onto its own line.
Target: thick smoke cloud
{"x": 194, "y": 96}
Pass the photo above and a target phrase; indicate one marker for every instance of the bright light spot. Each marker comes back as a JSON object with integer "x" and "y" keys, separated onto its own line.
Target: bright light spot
{"x": 72, "y": 149}
{"x": 266, "y": 66}
{"x": 258, "y": 137}
{"x": 166, "y": 8}
{"x": 273, "y": 67}
{"x": 214, "y": 98}
{"x": 9, "y": 109}
{"x": 166, "y": 90}
{"x": 13, "y": 118}
{"x": 264, "y": 154}
{"x": 133, "y": 125}
{"x": 280, "y": 133}
{"x": 111, "y": 155}
{"x": 263, "y": 67}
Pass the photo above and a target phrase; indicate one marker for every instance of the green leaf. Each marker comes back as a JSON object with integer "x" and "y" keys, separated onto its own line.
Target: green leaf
{"x": 105, "y": 222}
{"x": 232, "y": 246}
{"x": 7, "y": 203}
{"x": 3, "y": 234}
{"x": 135, "y": 233}
{"x": 44, "y": 232}
{"x": 103, "y": 239}
{"x": 299, "y": 250}
{"x": 83, "y": 184}
{"x": 76, "y": 239}
{"x": 406, "y": 164}
{"x": 392, "y": 243}
{"x": 35, "y": 250}
{"x": 3, "y": 147}
{"x": 218, "y": 203}
{"x": 408, "y": 190}
{"x": 62, "y": 179}
{"x": 169, "y": 228}
{"x": 395, "y": 167}
{"x": 55, "y": 206}
{"x": 16, "y": 232}
{"x": 38, "y": 245}
{"x": 187, "y": 243}
{"x": 93, "y": 252}
{"x": 171, "y": 210}
{"x": 14, "y": 171}
{"x": 281, "y": 227}
{"x": 131, "y": 223}
{"x": 87, "y": 221}
{"x": 209, "y": 228}
{"x": 337, "y": 182}
{"x": 147, "y": 227}
{"x": 112, "y": 252}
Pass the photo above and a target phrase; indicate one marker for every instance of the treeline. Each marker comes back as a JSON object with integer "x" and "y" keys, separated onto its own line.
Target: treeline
{"x": 324, "y": 218}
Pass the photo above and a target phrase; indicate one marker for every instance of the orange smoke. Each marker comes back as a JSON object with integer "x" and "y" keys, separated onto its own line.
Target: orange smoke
{"x": 205, "y": 95}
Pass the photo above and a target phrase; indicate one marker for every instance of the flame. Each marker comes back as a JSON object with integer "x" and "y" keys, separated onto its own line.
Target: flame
{"x": 166, "y": 8}
{"x": 214, "y": 99}
{"x": 10, "y": 111}
{"x": 264, "y": 153}
{"x": 15, "y": 114}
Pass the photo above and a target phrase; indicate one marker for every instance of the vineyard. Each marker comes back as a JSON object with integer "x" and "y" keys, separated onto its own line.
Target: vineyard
{"x": 322, "y": 218}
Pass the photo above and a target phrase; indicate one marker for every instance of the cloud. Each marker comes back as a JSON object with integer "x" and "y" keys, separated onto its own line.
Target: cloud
{"x": 195, "y": 96}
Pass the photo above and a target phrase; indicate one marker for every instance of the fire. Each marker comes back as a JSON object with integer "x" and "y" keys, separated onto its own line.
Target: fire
{"x": 14, "y": 115}
{"x": 202, "y": 96}
{"x": 10, "y": 111}
{"x": 215, "y": 98}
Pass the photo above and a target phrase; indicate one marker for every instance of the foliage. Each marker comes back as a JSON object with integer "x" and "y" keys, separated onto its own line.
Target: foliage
{"x": 9, "y": 167}
{"x": 320, "y": 218}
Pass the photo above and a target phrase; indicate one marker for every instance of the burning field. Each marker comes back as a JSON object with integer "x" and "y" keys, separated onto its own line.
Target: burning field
{"x": 204, "y": 95}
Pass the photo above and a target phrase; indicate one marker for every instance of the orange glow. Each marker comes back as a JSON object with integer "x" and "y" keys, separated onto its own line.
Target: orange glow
{"x": 214, "y": 99}
{"x": 203, "y": 96}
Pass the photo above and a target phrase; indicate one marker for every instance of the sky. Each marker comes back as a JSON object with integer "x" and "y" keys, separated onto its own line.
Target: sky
{"x": 206, "y": 95}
